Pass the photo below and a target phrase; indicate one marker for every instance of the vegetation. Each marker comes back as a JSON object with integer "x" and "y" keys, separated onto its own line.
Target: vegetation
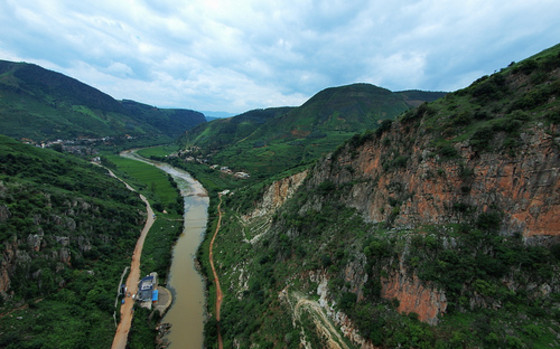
{"x": 159, "y": 151}
{"x": 495, "y": 110}
{"x": 501, "y": 292}
{"x": 155, "y": 184}
{"x": 70, "y": 230}
{"x": 266, "y": 142}
{"x": 285, "y": 269}
{"x": 42, "y": 105}
{"x": 163, "y": 195}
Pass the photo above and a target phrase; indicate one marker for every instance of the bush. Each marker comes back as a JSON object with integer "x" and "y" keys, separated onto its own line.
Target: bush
{"x": 347, "y": 301}
{"x": 489, "y": 221}
{"x": 447, "y": 151}
{"x": 326, "y": 187}
{"x": 526, "y": 67}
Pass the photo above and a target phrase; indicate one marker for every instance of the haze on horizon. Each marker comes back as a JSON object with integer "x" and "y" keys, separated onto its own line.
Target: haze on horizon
{"x": 239, "y": 55}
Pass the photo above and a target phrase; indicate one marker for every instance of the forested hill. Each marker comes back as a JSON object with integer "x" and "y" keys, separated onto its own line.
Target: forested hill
{"x": 67, "y": 230}
{"x": 40, "y": 104}
{"x": 438, "y": 230}
{"x": 267, "y": 141}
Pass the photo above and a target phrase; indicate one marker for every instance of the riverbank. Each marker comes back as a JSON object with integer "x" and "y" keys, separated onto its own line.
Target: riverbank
{"x": 186, "y": 314}
{"x": 121, "y": 334}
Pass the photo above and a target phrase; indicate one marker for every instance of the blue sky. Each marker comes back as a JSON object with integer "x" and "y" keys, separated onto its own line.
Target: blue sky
{"x": 240, "y": 55}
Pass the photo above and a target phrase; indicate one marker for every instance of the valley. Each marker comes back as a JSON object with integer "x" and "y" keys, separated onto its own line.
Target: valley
{"x": 367, "y": 218}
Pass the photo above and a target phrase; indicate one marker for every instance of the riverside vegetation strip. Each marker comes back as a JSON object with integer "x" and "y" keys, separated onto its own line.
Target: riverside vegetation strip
{"x": 183, "y": 278}
{"x": 156, "y": 254}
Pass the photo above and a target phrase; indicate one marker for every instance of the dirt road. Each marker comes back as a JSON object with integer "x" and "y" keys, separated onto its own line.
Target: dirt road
{"x": 121, "y": 335}
{"x": 219, "y": 294}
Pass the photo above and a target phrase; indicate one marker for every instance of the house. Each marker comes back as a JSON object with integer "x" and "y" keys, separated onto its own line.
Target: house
{"x": 146, "y": 287}
{"x": 242, "y": 175}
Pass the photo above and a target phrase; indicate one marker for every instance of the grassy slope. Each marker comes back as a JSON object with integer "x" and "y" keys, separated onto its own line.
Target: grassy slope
{"x": 40, "y": 104}
{"x": 269, "y": 141}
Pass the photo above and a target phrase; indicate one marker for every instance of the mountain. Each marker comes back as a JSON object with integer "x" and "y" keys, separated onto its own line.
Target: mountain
{"x": 40, "y": 104}
{"x": 268, "y": 141}
{"x": 222, "y": 133}
{"x": 170, "y": 122}
{"x": 440, "y": 229}
{"x": 67, "y": 231}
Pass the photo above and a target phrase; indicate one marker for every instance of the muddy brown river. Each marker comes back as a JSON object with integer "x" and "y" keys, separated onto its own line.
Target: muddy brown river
{"x": 186, "y": 314}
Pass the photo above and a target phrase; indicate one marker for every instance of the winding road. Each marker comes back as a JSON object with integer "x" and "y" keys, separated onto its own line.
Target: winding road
{"x": 219, "y": 294}
{"x": 121, "y": 335}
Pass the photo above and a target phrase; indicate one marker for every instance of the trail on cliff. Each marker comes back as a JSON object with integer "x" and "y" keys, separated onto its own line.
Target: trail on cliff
{"x": 219, "y": 295}
{"x": 324, "y": 327}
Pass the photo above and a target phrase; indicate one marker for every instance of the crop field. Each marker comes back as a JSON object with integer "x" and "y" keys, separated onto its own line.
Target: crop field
{"x": 159, "y": 151}
{"x": 150, "y": 181}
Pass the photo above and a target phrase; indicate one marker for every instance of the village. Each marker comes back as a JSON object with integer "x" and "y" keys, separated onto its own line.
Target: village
{"x": 81, "y": 146}
{"x": 189, "y": 155}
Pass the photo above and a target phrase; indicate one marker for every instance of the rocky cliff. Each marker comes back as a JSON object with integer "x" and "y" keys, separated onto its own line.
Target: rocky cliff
{"x": 438, "y": 230}
{"x": 425, "y": 189}
{"x": 276, "y": 194}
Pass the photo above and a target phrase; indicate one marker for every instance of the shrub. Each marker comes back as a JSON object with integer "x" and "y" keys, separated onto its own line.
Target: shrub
{"x": 526, "y": 67}
{"x": 399, "y": 161}
{"x": 481, "y": 138}
{"x": 447, "y": 151}
{"x": 326, "y": 187}
{"x": 385, "y": 126}
{"x": 489, "y": 221}
{"x": 347, "y": 301}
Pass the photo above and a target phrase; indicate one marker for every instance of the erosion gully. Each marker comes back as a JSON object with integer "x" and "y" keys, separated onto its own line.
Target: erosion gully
{"x": 186, "y": 314}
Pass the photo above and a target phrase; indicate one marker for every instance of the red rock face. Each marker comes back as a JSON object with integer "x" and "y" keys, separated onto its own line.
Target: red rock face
{"x": 424, "y": 189}
{"x": 414, "y": 297}
{"x": 523, "y": 187}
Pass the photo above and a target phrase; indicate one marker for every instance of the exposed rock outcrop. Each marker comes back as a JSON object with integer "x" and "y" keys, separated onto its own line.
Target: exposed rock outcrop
{"x": 276, "y": 194}
{"x": 4, "y": 213}
{"x": 425, "y": 189}
{"x": 414, "y": 297}
{"x": 7, "y": 262}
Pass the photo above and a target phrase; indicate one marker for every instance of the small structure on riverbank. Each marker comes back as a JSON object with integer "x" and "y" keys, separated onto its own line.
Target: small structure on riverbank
{"x": 152, "y": 296}
{"x": 146, "y": 287}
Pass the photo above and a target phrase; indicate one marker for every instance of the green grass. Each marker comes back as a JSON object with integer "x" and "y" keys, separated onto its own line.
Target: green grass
{"x": 149, "y": 180}
{"x": 156, "y": 254}
{"x": 159, "y": 151}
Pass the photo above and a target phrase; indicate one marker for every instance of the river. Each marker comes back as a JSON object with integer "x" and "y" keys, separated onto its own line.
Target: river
{"x": 186, "y": 314}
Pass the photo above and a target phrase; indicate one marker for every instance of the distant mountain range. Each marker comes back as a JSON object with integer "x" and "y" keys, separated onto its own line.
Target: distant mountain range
{"x": 40, "y": 104}
{"x": 269, "y": 140}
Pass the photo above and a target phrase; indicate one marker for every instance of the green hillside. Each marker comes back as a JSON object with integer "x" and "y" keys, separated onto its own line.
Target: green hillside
{"x": 506, "y": 103}
{"x": 437, "y": 230}
{"x": 221, "y": 133}
{"x": 265, "y": 142}
{"x": 40, "y": 104}
{"x": 67, "y": 230}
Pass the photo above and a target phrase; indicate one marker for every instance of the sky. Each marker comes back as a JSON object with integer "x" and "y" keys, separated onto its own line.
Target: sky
{"x": 239, "y": 55}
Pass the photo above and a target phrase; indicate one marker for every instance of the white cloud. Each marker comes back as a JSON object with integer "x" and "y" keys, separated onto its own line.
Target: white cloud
{"x": 239, "y": 55}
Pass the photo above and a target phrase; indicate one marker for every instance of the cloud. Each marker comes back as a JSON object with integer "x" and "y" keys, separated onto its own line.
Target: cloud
{"x": 239, "y": 55}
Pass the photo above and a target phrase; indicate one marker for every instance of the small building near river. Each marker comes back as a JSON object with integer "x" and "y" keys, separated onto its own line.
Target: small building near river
{"x": 146, "y": 288}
